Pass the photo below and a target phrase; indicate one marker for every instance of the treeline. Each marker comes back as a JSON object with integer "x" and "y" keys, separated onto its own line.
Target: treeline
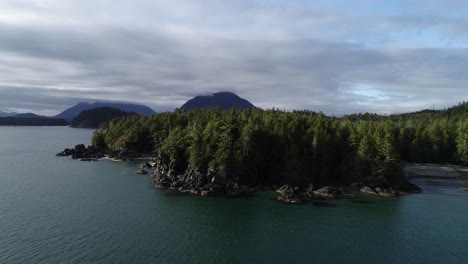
{"x": 272, "y": 146}
{"x": 32, "y": 121}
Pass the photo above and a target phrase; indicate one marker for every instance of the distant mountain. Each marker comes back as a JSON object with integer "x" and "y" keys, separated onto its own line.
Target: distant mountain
{"x": 32, "y": 121}
{"x": 74, "y": 111}
{"x": 5, "y": 114}
{"x": 92, "y": 118}
{"x": 223, "y": 100}
{"x": 29, "y": 115}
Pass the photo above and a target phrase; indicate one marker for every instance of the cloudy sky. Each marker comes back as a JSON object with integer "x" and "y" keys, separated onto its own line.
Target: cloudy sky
{"x": 332, "y": 56}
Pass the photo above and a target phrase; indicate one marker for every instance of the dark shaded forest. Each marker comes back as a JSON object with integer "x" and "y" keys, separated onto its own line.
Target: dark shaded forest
{"x": 299, "y": 147}
{"x": 92, "y": 118}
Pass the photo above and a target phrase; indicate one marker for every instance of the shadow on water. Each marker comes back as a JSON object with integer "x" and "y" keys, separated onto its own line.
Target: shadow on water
{"x": 173, "y": 193}
{"x": 324, "y": 204}
{"x": 361, "y": 201}
{"x": 176, "y": 193}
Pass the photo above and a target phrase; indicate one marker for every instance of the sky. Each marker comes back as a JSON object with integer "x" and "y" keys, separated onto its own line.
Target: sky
{"x": 338, "y": 57}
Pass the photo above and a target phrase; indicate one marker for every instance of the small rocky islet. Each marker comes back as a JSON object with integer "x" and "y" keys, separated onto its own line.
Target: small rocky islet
{"x": 92, "y": 153}
{"x": 296, "y": 195}
{"x": 198, "y": 180}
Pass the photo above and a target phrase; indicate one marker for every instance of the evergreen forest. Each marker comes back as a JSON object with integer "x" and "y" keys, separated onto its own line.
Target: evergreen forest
{"x": 299, "y": 147}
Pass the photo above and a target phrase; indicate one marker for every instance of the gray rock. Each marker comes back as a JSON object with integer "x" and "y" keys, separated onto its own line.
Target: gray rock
{"x": 368, "y": 190}
{"x": 289, "y": 194}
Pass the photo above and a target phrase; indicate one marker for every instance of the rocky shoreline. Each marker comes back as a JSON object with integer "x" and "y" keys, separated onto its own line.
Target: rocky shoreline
{"x": 211, "y": 182}
{"x": 204, "y": 181}
{"x": 295, "y": 195}
{"x": 91, "y": 153}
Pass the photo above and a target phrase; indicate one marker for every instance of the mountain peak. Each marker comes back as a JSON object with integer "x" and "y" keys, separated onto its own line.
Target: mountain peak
{"x": 224, "y": 100}
{"x": 29, "y": 115}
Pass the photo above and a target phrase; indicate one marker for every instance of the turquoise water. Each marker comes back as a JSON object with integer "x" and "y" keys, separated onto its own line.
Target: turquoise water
{"x": 56, "y": 210}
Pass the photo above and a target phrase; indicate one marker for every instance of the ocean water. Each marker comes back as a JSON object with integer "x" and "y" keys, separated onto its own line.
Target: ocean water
{"x": 57, "y": 210}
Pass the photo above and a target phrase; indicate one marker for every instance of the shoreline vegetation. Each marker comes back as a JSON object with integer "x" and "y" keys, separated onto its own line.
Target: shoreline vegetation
{"x": 300, "y": 154}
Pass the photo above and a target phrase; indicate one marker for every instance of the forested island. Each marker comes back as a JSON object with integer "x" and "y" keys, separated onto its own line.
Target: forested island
{"x": 216, "y": 152}
{"x": 82, "y": 115}
{"x": 92, "y": 118}
{"x": 31, "y": 120}
{"x": 72, "y": 112}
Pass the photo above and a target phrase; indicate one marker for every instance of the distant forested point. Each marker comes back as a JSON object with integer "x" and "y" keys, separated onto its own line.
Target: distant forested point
{"x": 94, "y": 117}
{"x": 70, "y": 113}
{"x": 32, "y": 121}
{"x": 299, "y": 147}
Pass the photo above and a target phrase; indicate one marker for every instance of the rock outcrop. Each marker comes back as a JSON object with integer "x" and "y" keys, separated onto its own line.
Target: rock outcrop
{"x": 289, "y": 194}
{"x": 83, "y": 153}
{"x": 402, "y": 188}
{"x": 197, "y": 180}
{"x": 294, "y": 194}
{"x": 92, "y": 153}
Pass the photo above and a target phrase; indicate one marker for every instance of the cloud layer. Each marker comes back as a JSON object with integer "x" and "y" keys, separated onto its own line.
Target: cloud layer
{"x": 328, "y": 56}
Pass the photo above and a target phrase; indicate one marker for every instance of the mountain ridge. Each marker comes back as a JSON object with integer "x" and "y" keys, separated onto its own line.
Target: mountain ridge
{"x": 222, "y": 100}
{"x": 7, "y": 114}
{"x": 70, "y": 113}
{"x": 30, "y": 115}
{"x": 93, "y": 118}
